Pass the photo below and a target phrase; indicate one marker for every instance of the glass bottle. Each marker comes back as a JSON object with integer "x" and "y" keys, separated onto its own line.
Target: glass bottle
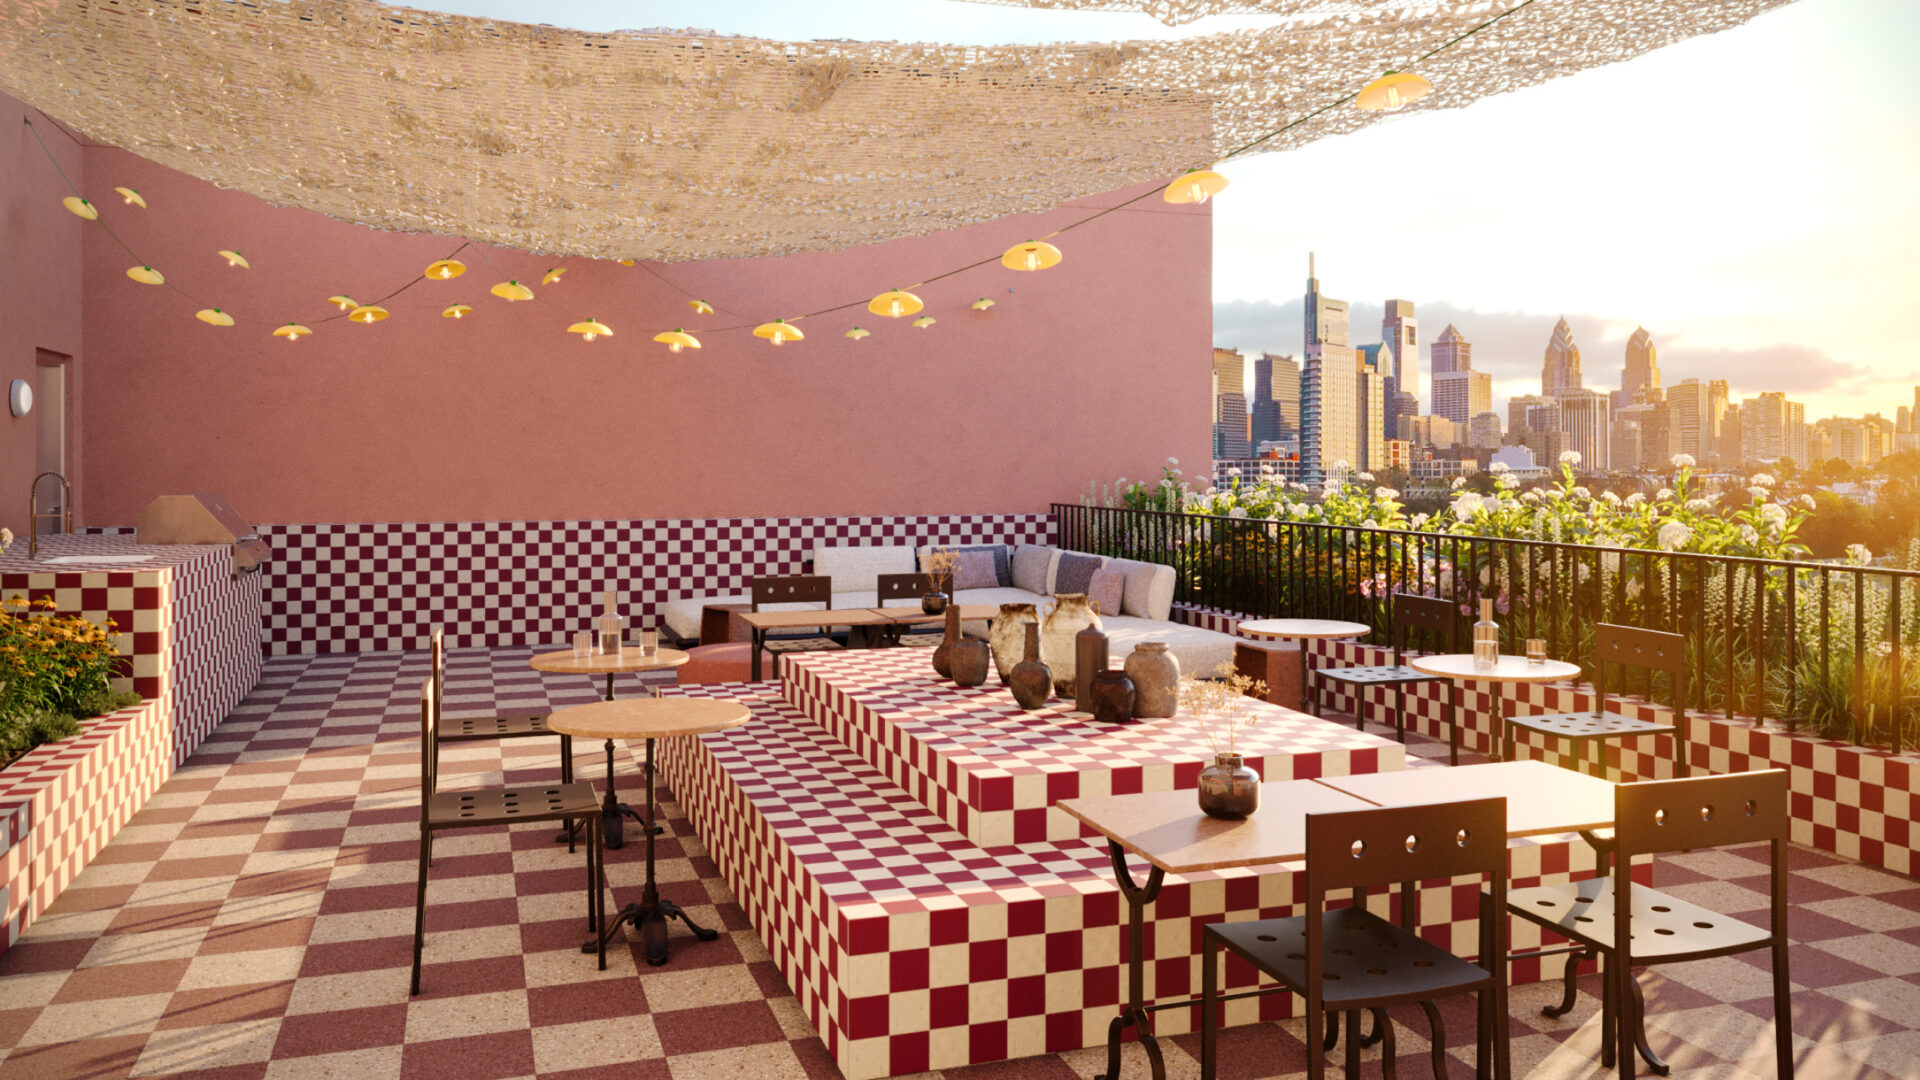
{"x": 1486, "y": 639}
{"x": 612, "y": 629}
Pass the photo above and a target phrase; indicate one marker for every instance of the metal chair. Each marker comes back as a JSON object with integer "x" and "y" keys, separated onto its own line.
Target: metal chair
{"x": 1650, "y": 649}
{"x": 795, "y": 589}
{"x": 442, "y": 810}
{"x": 1651, "y": 818}
{"x": 898, "y": 587}
{"x": 1408, "y": 614}
{"x": 518, "y": 724}
{"x": 1348, "y": 959}
{"x": 730, "y": 658}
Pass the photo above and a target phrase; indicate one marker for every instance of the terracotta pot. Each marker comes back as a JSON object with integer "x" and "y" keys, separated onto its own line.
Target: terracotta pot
{"x": 971, "y": 659}
{"x": 1229, "y": 790}
{"x": 1070, "y": 614}
{"x": 1031, "y": 681}
{"x": 1090, "y": 652}
{"x": 1112, "y": 697}
{"x": 943, "y": 653}
{"x": 1008, "y": 639}
{"x": 1156, "y": 680}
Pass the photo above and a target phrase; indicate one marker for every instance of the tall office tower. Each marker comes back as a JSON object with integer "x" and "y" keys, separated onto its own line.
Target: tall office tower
{"x": 1451, "y": 352}
{"x": 1370, "y": 395}
{"x": 1461, "y": 395}
{"x": 1770, "y": 425}
{"x": 1560, "y": 370}
{"x": 1519, "y": 408}
{"x": 1903, "y": 420}
{"x": 1848, "y": 438}
{"x": 1642, "y": 370}
{"x": 1400, "y": 333}
{"x": 1623, "y": 437}
{"x": 1483, "y": 430}
{"x": 1716, "y": 423}
{"x": 1687, "y": 428}
{"x": 1584, "y": 426}
{"x": 1878, "y": 436}
{"x": 1284, "y": 389}
{"x": 1655, "y": 454}
{"x": 1329, "y": 409}
{"x": 1230, "y": 404}
{"x": 1733, "y": 448}
{"x": 1819, "y": 444}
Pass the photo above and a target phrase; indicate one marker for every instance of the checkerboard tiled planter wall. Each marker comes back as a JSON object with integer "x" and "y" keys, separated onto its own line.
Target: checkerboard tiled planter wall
{"x": 1856, "y": 802}
{"x": 372, "y": 587}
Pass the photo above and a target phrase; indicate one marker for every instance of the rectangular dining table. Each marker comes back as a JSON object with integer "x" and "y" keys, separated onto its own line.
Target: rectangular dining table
{"x": 1167, "y": 829}
{"x": 819, "y": 618}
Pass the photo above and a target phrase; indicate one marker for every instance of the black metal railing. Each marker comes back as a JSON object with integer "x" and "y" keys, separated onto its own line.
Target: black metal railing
{"x": 1823, "y": 646}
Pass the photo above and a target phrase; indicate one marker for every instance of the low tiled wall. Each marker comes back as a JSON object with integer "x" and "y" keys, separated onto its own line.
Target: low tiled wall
{"x": 379, "y": 586}
{"x": 1853, "y": 801}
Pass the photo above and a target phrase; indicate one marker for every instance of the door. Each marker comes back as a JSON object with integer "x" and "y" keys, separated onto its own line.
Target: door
{"x": 50, "y": 442}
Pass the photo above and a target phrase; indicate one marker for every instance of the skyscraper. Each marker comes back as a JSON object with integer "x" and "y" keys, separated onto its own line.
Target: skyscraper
{"x": 1451, "y": 352}
{"x": 1276, "y": 399}
{"x": 1561, "y": 368}
{"x": 1284, "y": 388}
{"x": 1229, "y": 404}
{"x": 1400, "y": 333}
{"x": 1461, "y": 395}
{"x": 1329, "y": 409}
{"x": 1370, "y": 395}
{"x": 1641, "y": 373}
{"x": 1715, "y": 439}
{"x": 1583, "y": 425}
{"x": 1483, "y": 431}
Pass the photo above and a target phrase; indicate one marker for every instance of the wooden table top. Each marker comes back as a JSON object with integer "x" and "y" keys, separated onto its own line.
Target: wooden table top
{"x": 785, "y": 620}
{"x": 564, "y": 662}
{"x": 1459, "y": 667}
{"x": 649, "y": 718}
{"x": 1541, "y": 798}
{"x": 1167, "y": 829}
{"x": 908, "y": 615}
{"x": 1303, "y": 628}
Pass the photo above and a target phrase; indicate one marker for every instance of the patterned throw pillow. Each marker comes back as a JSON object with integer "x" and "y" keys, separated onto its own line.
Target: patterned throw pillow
{"x": 1075, "y": 572}
{"x": 1030, "y": 563}
{"x": 975, "y": 570}
{"x": 1107, "y": 590}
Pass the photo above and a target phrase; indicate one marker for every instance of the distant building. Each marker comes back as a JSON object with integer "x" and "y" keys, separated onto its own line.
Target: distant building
{"x": 1329, "y": 411}
{"x": 1717, "y": 405}
{"x": 1450, "y": 352}
{"x": 1583, "y": 425}
{"x": 1399, "y": 454}
{"x": 1560, "y": 369}
{"x": 1640, "y": 437}
{"x": 1522, "y": 409}
{"x": 1370, "y": 395}
{"x": 1641, "y": 374}
{"x": 1230, "y": 405}
{"x": 1774, "y": 429}
{"x": 1400, "y": 333}
{"x": 1461, "y": 395}
{"x": 1277, "y": 379}
{"x": 1483, "y": 431}
{"x": 1689, "y": 431}
{"x": 1520, "y": 461}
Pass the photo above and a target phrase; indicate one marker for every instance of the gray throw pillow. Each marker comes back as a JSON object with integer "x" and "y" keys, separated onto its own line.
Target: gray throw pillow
{"x": 1075, "y": 572}
{"x": 1030, "y": 563}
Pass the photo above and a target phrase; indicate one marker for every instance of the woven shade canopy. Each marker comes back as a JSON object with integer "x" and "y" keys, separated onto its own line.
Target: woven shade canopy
{"x": 678, "y": 146}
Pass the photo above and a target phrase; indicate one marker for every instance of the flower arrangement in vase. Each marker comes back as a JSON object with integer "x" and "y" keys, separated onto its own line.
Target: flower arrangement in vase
{"x": 941, "y": 562}
{"x": 1228, "y": 788}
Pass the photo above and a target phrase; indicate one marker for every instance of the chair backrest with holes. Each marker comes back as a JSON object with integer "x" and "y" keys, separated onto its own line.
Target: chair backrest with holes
{"x": 1352, "y": 849}
{"x": 793, "y": 589}
{"x": 429, "y": 739}
{"x": 1655, "y": 650}
{"x": 1436, "y": 619}
{"x": 1656, "y": 816}
{"x": 438, "y": 652}
{"x": 902, "y": 587}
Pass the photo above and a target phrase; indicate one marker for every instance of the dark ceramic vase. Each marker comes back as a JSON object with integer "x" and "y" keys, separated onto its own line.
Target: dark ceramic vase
{"x": 934, "y": 603}
{"x": 1156, "y": 680}
{"x": 943, "y": 653}
{"x": 1229, "y": 790}
{"x": 1031, "y": 680}
{"x": 1112, "y": 695}
{"x": 1090, "y": 659}
{"x": 970, "y": 660}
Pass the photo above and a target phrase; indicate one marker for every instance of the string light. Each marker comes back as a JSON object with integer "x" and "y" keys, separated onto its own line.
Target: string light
{"x": 894, "y": 304}
{"x": 590, "y": 329}
{"x": 371, "y": 313}
{"x": 924, "y": 321}
{"x": 456, "y": 311}
{"x": 778, "y": 330}
{"x": 1032, "y": 255}
{"x": 1196, "y": 186}
{"x": 1394, "y": 90}
{"x": 213, "y": 316}
{"x": 856, "y": 333}
{"x": 234, "y": 258}
{"x": 291, "y": 331}
{"x": 677, "y": 339}
{"x": 446, "y": 269}
{"x": 700, "y": 307}
{"x": 146, "y": 275}
{"x": 982, "y": 304}
{"x": 344, "y": 303}
{"x": 512, "y": 290}
{"x": 80, "y": 207}
{"x": 552, "y": 276}
{"x": 132, "y": 197}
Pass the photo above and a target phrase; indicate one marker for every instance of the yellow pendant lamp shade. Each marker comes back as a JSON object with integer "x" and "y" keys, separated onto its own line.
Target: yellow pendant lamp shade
{"x": 234, "y": 258}
{"x": 446, "y": 269}
{"x": 456, "y": 311}
{"x": 590, "y": 329}
{"x": 291, "y": 331}
{"x": 80, "y": 207}
{"x": 552, "y": 276}
{"x": 1391, "y": 91}
{"x": 213, "y": 316}
{"x": 924, "y": 321}
{"x": 372, "y": 313}
{"x": 1032, "y": 255}
{"x": 778, "y": 330}
{"x": 981, "y": 304}
{"x": 700, "y": 307}
{"x": 856, "y": 333}
{"x": 132, "y": 197}
{"x": 626, "y": 262}
{"x": 677, "y": 339}
{"x": 894, "y": 304}
{"x": 344, "y": 303}
{"x": 145, "y": 275}
{"x": 1197, "y": 186}
{"x": 512, "y": 290}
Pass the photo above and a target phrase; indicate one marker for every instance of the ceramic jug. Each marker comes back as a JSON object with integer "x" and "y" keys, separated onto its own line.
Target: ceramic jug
{"x": 1069, "y": 614}
{"x": 1008, "y": 636}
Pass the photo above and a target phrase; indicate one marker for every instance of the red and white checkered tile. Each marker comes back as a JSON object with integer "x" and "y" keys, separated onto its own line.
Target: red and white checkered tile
{"x": 378, "y": 586}
{"x": 252, "y": 922}
{"x": 992, "y": 770}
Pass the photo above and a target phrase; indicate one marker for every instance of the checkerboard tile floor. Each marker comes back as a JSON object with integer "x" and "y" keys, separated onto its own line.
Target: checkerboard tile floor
{"x": 253, "y": 921}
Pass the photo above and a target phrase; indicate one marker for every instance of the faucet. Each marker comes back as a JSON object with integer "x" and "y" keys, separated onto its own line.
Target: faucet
{"x": 64, "y": 512}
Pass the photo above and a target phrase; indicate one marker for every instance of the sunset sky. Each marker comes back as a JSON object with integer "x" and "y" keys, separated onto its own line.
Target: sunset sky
{"x": 1746, "y": 196}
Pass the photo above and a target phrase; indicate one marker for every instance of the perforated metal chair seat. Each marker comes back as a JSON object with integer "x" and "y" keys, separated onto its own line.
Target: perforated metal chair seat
{"x": 798, "y": 644}
{"x": 1386, "y": 675}
{"x": 504, "y": 806}
{"x": 1665, "y": 928}
{"x": 1585, "y": 725}
{"x": 1367, "y": 958}
{"x": 515, "y": 725}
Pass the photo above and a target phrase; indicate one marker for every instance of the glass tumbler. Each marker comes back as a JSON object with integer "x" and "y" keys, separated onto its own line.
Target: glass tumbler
{"x": 649, "y": 642}
{"x": 1536, "y": 650}
{"x": 583, "y": 645}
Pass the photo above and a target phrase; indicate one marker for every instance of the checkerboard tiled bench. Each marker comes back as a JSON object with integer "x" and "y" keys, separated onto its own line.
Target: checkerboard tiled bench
{"x": 912, "y": 948}
{"x": 993, "y": 771}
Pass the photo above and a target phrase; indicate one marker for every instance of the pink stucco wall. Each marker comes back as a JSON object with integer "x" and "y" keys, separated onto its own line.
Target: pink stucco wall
{"x": 39, "y": 290}
{"x": 1095, "y": 368}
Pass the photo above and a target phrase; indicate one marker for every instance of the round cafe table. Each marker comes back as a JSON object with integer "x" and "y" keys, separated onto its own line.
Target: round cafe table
{"x": 649, "y": 718}
{"x": 1460, "y": 668}
{"x": 613, "y": 834}
{"x": 1303, "y": 631}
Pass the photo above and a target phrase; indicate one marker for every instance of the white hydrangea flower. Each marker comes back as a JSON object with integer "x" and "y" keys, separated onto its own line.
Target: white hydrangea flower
{"x": 1699, "y": 505}
{"x": 1759, "y": 492}
{"x": 1807, "y": 501}
{"x": 1569, "y": 457}
{"x": 1774, "y": 515}
{"x": 1366, "y": 476}
{"x": 1636, "y": 499}
{"x": 1233, "y": 470}
{"x": 1420, "y": 521}
{"x": 1582, "y": 493}
{"x": 1610, "y": 498}
{"x": 1674, "y": 535}
{"x": 1858, "y": 555}
{"x": 1386, "y": 493}
{"x": 1530, "y": 496}
{"x": 1174, "y": 461}
{"x": 1465, "y": 504}
{"x": 1499, "y": 467}
{"x": 1459, "y": 482}
{"x": 1749, "y": 535}
{"x": 1764, "y": 480}
{"x": 1237, "y": 512}
{"x": 1663, "y": 494}
{"x": 1681, "y": 461}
